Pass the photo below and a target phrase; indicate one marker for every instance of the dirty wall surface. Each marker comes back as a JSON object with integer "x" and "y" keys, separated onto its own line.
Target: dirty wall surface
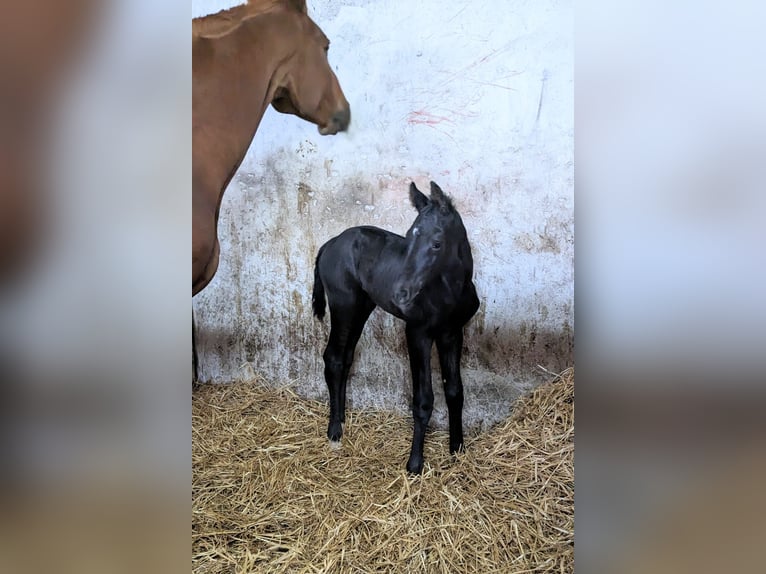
{"x": 477, "y": 96}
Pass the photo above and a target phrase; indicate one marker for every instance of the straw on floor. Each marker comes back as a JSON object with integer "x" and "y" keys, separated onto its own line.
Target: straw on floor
{"x": 271, "y": 495}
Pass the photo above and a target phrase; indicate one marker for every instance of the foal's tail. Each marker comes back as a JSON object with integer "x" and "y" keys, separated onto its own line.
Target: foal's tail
{"x": 318, "y": 299}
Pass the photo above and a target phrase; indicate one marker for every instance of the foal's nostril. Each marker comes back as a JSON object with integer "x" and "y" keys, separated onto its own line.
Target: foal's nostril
{"x": 342, "y": 119}
{"x": 402, "y": 296}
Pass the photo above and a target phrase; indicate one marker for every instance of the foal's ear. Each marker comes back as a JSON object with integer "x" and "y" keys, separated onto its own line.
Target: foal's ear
{"x": 418, "y": 199}
{"x": 437, "y": 195}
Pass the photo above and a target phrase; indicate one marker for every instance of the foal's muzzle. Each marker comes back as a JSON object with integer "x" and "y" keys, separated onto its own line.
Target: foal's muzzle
{"x": 405, "y": 294}
{"x": 402, "y": 296}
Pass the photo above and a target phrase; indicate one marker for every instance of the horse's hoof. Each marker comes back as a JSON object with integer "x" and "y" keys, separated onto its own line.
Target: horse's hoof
{"x": 415, "y": 467}
{"x": 334, "y": 432}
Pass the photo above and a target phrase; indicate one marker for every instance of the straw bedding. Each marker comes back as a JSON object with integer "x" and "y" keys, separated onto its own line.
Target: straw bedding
{"x": 271, "y": 495}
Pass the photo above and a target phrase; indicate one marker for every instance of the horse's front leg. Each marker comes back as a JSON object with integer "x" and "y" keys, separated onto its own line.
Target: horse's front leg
{"x": 206, "y": 249}
{"x": 450, "y": 346}
{"x": 419, "y": 344}
{"x": 195, "y": 357}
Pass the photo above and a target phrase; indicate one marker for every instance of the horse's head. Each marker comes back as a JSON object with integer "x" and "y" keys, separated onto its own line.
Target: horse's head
{"x": 433, "y": 245}
{"x": 306, "y": 85}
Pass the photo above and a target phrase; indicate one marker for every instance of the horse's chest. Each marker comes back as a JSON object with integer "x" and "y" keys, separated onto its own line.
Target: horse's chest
{"x": 438, "y": 304}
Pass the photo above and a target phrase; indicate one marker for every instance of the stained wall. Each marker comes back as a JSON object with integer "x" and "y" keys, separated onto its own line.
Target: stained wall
{"x": 477, "y": 96}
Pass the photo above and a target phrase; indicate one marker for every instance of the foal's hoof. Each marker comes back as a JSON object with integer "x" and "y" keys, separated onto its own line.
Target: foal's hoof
{"x": 334, "y": 431}
{"x": 415, "y": 466}
{"x": 456, "y": 448}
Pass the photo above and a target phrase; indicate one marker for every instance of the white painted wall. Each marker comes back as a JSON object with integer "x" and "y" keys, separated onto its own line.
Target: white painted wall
{"x": 477, "y": 96}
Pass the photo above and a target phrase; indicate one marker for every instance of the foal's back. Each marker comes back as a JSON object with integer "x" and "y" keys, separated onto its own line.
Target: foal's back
{"x": 362, "y": 261}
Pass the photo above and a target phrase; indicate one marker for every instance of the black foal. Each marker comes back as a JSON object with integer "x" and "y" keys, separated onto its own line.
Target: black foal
{"x": 425, "y": 279}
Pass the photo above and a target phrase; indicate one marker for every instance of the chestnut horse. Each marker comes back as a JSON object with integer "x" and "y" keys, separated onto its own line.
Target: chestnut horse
{"x": 39, "y": 42}
{"x": 243, "y": 59}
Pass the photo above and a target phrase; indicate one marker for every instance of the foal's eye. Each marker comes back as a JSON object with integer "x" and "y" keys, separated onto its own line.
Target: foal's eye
{"x": 436, "y": 245}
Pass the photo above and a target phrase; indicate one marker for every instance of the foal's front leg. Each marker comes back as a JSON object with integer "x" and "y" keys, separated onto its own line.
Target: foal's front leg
{"x": 450, "y": 347}
{"x": 419, "y": 344}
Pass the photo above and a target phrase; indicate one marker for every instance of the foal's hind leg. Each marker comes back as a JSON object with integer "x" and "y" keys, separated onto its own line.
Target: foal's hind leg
{"x": 450, "y": 346}
{"x": 347, "y": 323}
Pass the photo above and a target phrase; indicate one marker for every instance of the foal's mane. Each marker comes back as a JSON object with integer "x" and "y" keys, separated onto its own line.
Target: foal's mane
{"x": 445, "y": 204}
{"x": 224, "y": 21}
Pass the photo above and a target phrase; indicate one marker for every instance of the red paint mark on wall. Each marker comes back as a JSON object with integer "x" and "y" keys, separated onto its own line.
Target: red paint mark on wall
{"x": 424, "y": 117}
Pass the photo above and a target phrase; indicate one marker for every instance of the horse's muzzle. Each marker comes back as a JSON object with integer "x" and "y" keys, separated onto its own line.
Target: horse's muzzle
{"x": 338, "y": 123}
{"x": 402, "y": 296}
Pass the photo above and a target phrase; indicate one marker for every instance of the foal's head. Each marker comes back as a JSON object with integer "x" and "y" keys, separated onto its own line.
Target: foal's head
{"x": 433, "y": 245}
{"x": 307, "y": 86}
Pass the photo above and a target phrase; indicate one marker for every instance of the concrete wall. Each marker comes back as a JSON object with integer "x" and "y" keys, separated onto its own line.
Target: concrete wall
{"x": 477, "y": 96}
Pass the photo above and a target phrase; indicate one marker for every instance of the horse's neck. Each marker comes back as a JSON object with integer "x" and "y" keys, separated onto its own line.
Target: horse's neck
{"x": 236, "y": 77}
